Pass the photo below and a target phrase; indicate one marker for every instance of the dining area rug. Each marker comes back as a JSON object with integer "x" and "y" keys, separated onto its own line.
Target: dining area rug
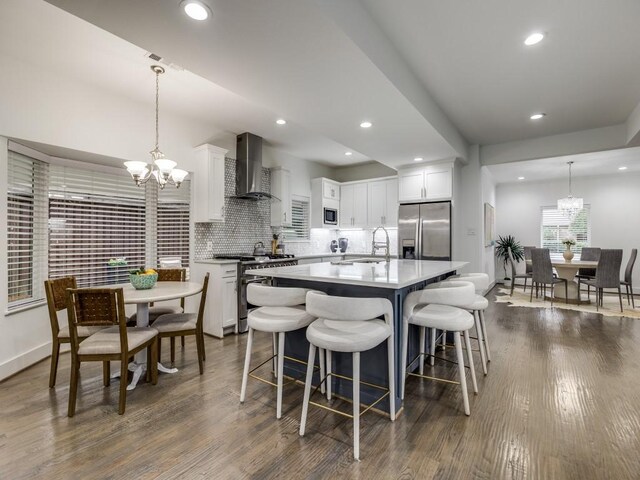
{"x": 611, "y": 306}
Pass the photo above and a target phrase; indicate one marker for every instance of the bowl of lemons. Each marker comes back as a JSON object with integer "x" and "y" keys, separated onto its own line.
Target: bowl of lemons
{"x": 143, "y": 279}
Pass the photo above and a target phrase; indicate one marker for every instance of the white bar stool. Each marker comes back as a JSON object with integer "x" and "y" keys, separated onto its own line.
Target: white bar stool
{"x": 349, "y": 325}
{"x": 281, "y": 310}
{"x": 479, "y": 305}
{"x": 441, "y": 306}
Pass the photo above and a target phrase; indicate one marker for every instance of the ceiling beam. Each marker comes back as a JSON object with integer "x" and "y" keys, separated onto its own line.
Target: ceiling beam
{"x": 633, "y": 128}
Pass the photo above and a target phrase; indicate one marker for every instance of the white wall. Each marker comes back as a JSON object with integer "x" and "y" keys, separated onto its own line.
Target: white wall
{"x": 49, "y": 108}
{"x": 613, "y": 200}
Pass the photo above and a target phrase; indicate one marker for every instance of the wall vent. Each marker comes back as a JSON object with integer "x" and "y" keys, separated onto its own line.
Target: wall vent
{"x": 154, "y": 57}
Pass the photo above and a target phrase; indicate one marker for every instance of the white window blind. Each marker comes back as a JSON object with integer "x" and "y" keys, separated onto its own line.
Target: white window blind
{"x": 556, "y": 226}
{"x": 299, "y": 229}
{"x": 173, "y": 222}
{"x": 26, "y": 229}
{"x": 93, "y": 217}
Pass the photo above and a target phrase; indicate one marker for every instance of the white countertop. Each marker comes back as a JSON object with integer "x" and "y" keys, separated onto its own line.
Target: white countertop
{"x": 395, "y": 275}
{"x": 216, "y": 261}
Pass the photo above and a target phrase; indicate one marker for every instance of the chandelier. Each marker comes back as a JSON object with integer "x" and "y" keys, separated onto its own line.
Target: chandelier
{"x": 570, "y": 205}
{"x": 161, "y": 168}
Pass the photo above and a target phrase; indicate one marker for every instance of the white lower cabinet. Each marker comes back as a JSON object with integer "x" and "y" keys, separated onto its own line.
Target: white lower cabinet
{"x": 221, "y": 309}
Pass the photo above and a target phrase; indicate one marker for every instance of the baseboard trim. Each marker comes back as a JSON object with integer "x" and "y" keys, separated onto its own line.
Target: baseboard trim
{"x": 24, "y": 360}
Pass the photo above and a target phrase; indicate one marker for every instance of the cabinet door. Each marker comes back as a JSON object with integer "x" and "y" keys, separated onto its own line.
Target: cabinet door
{"x": 216, "y": 187}
{"x": 411, "y": 185}
{"x": 346, "y": 206}
{"x": 229, "y": 302}
{"x": 391, "y": 207}
{"x": 438, "y": 183}
{"x": 360, "y": 205}
{"x": 281, "y": 205}
{"x": 208, "y": 184}
{"x": 285, "y": 191}
{"x": 330, "y": 190}
{"x": 377, "y": 203}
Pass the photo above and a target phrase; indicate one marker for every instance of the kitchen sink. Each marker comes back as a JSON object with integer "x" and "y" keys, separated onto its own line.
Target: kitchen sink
{"x": 367, "y": 260}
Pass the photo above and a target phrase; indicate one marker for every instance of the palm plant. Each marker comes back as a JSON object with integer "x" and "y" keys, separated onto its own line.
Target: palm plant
{"x": 502, "y": 251}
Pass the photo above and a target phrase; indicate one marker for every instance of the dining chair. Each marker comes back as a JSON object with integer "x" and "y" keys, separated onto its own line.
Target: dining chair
{"x": 607, "y": 275}
{"x": 591, "y": 254}
{"x": 628, "y": 277}
{"x": 104, "y": 307}
{"x": 514, "y": 275}
{"x": 56, "y": 293}
{"x": 527, "y": 259}
{"x": 171, "y": 325}
{"x": 542, "y": 273}
{"x": 166, "y": 275}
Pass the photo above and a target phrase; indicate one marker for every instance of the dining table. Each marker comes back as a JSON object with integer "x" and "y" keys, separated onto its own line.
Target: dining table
{"x": 568, "y": 271}
{"x": 161, "y": 291}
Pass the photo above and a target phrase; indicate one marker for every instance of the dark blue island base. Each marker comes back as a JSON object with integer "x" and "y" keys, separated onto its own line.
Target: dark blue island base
{"x": 373, "y": 368}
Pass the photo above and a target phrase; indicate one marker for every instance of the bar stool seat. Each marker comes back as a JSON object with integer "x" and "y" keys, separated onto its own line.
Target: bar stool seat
{"x": 279, "y": 319}
{"x": 479, "y": 303}
{"x": 442, "y": 317}
{"x": 353, "y": 336}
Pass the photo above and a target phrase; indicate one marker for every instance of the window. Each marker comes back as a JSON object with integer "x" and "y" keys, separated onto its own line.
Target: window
{"x": 299, "y": 229}
{"x": 63, "y": 220}
{"x": 26, "y": 229}
{"x": 93, "y": 217}
{"x": 173, "y": 222}
{"x": 556, "y": 226}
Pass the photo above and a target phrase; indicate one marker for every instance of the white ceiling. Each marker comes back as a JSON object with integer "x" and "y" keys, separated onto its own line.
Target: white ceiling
{"x": 586, "y": 164}
{"x": 470, "y": 55}
{"x": 284, "y": 56}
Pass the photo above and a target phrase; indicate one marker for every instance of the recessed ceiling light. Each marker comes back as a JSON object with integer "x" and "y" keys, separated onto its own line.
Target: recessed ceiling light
{"x": 366, "y": 124}
{"x": 622, "y": 168}
{"x": 520, "y": 178}
{"x": 418, "y": 159}
{"x": 195, "y": 9}
{"x": 537, "y": 116}
{"x": 281, "y": 121}
{"x": 533, "y": 39}
{"x": 348, "y": 154}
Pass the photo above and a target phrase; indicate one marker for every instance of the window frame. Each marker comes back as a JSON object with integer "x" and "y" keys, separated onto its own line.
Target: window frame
{"x": 307, "y": 236}
{"x": 576, "y": 249}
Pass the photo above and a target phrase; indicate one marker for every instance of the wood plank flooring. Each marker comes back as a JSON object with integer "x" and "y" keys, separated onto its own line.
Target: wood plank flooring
{"x": 561, "y": 401}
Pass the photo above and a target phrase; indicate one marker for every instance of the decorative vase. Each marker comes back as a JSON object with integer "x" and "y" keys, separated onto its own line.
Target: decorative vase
{"x": 568, "y": 254}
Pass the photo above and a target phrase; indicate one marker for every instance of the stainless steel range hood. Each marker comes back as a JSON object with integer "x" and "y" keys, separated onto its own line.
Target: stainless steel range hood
{"x": 249, "y": 167}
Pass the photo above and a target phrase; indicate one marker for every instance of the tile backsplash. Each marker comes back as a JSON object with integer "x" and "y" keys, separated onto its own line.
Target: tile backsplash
{"x": 248, "y": 222}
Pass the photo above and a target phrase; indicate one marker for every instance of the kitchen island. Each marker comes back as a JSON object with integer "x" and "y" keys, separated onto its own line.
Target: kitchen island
{"x": 392, "y": 280}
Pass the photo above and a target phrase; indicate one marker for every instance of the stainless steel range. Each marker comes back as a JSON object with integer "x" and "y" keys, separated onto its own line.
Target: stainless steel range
{"x": 249, "y": 262}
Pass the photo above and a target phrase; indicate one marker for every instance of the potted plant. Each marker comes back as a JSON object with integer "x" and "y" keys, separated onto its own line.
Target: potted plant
{"x": 568, "y": 254}
{"x": 503, "y": 244}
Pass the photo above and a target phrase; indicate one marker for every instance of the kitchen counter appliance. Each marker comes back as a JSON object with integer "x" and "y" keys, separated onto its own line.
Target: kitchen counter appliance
{"x": 249, "y": 262}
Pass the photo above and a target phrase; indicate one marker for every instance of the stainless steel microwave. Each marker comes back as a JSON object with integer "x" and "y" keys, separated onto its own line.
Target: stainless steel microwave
{"x": 330, "y": 216}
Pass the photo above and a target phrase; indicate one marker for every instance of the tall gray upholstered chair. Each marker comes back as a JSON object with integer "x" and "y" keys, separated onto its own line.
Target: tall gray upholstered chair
{"x": 527, "y": 259}
{"x": 628, "y": 274}
{"x": 515, "y": 275}
{"x": 542, "y": 273}
{"x": 591, "y": 254}
{"x": 607, "y": 275}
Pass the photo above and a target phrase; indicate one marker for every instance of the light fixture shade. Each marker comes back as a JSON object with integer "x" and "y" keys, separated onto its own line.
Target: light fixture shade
{"x": 178, "y": 175}
{"x": 136, "y": 168}
{"x": 165, "y": 166}
{"x": 570, "y": 206}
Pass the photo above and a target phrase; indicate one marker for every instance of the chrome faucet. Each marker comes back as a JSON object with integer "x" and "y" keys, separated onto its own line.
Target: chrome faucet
{"x": 379, "y": 245}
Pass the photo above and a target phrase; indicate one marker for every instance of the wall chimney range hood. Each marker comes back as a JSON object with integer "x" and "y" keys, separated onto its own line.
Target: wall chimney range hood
{"x": 249, "y": 167}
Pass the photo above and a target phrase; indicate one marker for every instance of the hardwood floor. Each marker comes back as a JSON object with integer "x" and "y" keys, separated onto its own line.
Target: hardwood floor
{"x": 561, "y": 400}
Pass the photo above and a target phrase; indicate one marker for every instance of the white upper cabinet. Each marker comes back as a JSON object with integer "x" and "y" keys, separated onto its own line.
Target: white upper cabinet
{"x": 281, "y": 205}
{"x": 330, "y": 190}
{"x": 383, "y": 203}
{"x": 208, "y": 183}
{"x": 353, "y": 205}
{"x": 431, "y": 182}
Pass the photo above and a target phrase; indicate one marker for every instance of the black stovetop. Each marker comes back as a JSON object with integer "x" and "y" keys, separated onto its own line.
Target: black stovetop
{"x": 247, "y": 257}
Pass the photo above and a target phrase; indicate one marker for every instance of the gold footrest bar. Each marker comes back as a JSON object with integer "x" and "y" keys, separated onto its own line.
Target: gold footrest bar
{"x": 269, "y": 382}
{"x": 437, "y": 379}
{"x": 428, "y": 355}
{"x": 368, "y": 406}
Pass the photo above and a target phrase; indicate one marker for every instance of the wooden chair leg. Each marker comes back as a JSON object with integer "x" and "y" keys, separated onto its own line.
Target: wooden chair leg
{"x": 159, "y": 349}
{"x": 531, "y": 296}
{"x": 200, "y": 353}
{"x": 525, "y": 285}
{"x": 620, "y": 298}
{"x": 73, "y": 386}
{"x": 154, "y": 361}
{"x": 173, "y": 349}
{"x": 149, "y": 364}
{"x": 182, "y": 341}
{"x": 124, "y": 364}
{"x": 106, "y": 373}
{"x": 55, "y": 354}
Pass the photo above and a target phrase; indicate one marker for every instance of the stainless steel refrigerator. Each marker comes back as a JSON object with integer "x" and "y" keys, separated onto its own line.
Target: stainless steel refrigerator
{"x": 424, "y": 231}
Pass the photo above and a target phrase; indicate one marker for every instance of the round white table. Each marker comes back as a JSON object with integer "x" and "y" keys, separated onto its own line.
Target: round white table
{"x": 142, "y": 298}
{"x": 568, "y": 271}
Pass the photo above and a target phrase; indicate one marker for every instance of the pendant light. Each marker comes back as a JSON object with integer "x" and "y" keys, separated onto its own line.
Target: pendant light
{"x": 570, "y": 205}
